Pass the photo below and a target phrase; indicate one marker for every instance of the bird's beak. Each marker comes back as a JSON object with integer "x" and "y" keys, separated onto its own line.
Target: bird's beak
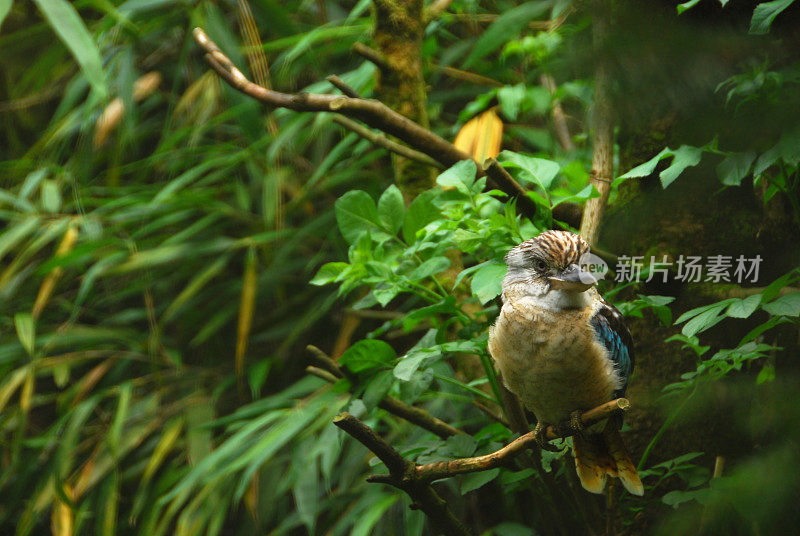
{"x": 573, "y": 279}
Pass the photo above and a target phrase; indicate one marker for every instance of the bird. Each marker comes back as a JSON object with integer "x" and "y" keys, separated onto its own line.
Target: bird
{"x": 562, "y": 349}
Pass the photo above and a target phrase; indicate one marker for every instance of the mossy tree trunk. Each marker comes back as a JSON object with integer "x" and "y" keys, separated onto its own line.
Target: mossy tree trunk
{"x": 399, "y": 27}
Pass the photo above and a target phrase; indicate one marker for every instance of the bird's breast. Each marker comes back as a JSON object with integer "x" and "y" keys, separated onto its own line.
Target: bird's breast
{"x": 551, "y": 360}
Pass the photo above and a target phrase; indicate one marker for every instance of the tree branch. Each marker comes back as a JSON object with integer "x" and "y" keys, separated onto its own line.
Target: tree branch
{"x": 415, "y": 479}
{"x": 380, "y": 139}
{"x": 373, "y": 113}
{"x": 342, "y": 86}
{"x": 401, "y": 475}
{"x": 438, "y": 470}
{"x": 372, "y": 56}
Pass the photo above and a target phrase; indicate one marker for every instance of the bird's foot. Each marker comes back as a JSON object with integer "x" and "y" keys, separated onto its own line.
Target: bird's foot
{"x": 574, "y": 426}
{"x": 540, "y": 436}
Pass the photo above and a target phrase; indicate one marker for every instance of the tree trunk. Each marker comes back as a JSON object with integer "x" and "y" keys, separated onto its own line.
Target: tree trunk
{"x": 398, "y": 35}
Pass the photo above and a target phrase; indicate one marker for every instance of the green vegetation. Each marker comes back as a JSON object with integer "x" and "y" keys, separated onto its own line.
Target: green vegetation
{"x": 169, "y": 247}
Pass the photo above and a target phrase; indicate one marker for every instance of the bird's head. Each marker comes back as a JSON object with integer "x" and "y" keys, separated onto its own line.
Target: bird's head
{"x": 551, "y": 261}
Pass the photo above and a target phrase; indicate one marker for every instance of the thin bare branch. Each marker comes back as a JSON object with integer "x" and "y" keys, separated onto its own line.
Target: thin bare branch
{"x": 342, "y": 86}
{"x": 320, "y": 373}
{"x": 437, "y": 8}
{"x": 372, "y": 56}
{"x": 325, "y": 362}
{"x": 401, "y": 475}
{"x": 438, "y": 470}
{"x": 373, "y": 113}
{"x": 467, "y": 76}
{"x": 558, "y": 116}
{"x": 380, "y": 139}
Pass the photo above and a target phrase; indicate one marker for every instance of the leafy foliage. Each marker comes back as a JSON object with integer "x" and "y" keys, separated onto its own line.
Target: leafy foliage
{"x": 158, "y": 236}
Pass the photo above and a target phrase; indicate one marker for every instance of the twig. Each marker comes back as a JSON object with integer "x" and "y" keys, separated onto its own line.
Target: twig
{"x": 401, "y": 475}
{"x": 320, "y": 373}
{"x": 372, "y": 56}
{"x": 396, "y": 407}
{"x": 374, "y": 315}
{"x": 436, "y": 8}
{"x": 438, "y": 470}
{"x": 719, "y": 465}
{"x": 491, "y": 414}
{"x": 342, "y": 86}
{"x": 467, "y": 76}
{"x": 373, "y": 113}
{"x": 380, "y": 139}
{"x": 324, "y": 361}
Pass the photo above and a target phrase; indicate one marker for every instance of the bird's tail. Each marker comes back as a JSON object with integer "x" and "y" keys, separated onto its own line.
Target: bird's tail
{"x": 599, "y": 455}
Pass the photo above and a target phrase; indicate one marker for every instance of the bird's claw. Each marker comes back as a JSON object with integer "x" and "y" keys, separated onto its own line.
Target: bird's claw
{"x": 540, "y": 436}
{"x": 574, "y": 426}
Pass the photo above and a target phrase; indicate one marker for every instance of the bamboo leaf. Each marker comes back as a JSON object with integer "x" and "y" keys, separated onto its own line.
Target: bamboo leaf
{"x": 26, "y": 330}
{"x": 67, "y": 24}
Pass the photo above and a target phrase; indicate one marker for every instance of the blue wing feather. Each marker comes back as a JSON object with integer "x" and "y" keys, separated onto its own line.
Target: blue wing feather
{"x": 609, "y": 325}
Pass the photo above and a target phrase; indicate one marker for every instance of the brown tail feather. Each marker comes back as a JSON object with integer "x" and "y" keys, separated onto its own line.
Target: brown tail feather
{"x": 598, "y": 456}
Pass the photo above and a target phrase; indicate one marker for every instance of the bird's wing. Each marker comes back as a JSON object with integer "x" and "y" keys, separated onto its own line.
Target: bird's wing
{"x": 610, "y": 327}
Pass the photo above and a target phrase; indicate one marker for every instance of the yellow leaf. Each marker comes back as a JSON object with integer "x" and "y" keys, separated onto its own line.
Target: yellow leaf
{"x": 61, "y": 520}
{"x": 481, "y": 136}
{"x": 49, "y": 283}
{"x": 246, "y": 310}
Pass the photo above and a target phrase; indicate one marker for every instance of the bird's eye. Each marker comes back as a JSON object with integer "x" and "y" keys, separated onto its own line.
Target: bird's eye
{"x": 540, "y": 265}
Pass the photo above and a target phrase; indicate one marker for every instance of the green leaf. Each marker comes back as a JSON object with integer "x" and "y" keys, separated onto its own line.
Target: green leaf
{"x": 368, "y": 354}
{"x": 510, "y": 98}
{"x": 67, "y": 24}
{"x": 391, "y": 209}
{"x": 368, "y": 519}
{"x": 5, "y": 7}
{"x": 765, "y": 13}
{"x": 685, "y": 156}
{"x": 51, "y": 196}
{"x": 767, "y": 374}
{"x": 26, "y": 330}
{"x": 735, "y": 167}
{"x": 702, "y": 318}
{"x": 420, "y": 213}
{"x": 787, "y": 305}
{"x": 377, "y": 388}
{"x": 508, "y": 528}
{"x": 488, "y": 281}
{"x": 505, "y": 27}
{"x": 536, "y": 170}
{"x": 356, "y": 214}
{"x": 460, "y": 176}
{"x": 474, "y": 481}
{"x": 385, "y": 293}
{"x": 115, "y": 430}
{"x": 646, "y": 169}
{"x": 411, "y": 362}
{"x": 305, "y": 492}
{"x": 430, "y": 267}
{"x": 328, "y": 273}
{"x": 461, "y": 445}
{"x": 686, "y": 5}
{"x": 742, "y": 308}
